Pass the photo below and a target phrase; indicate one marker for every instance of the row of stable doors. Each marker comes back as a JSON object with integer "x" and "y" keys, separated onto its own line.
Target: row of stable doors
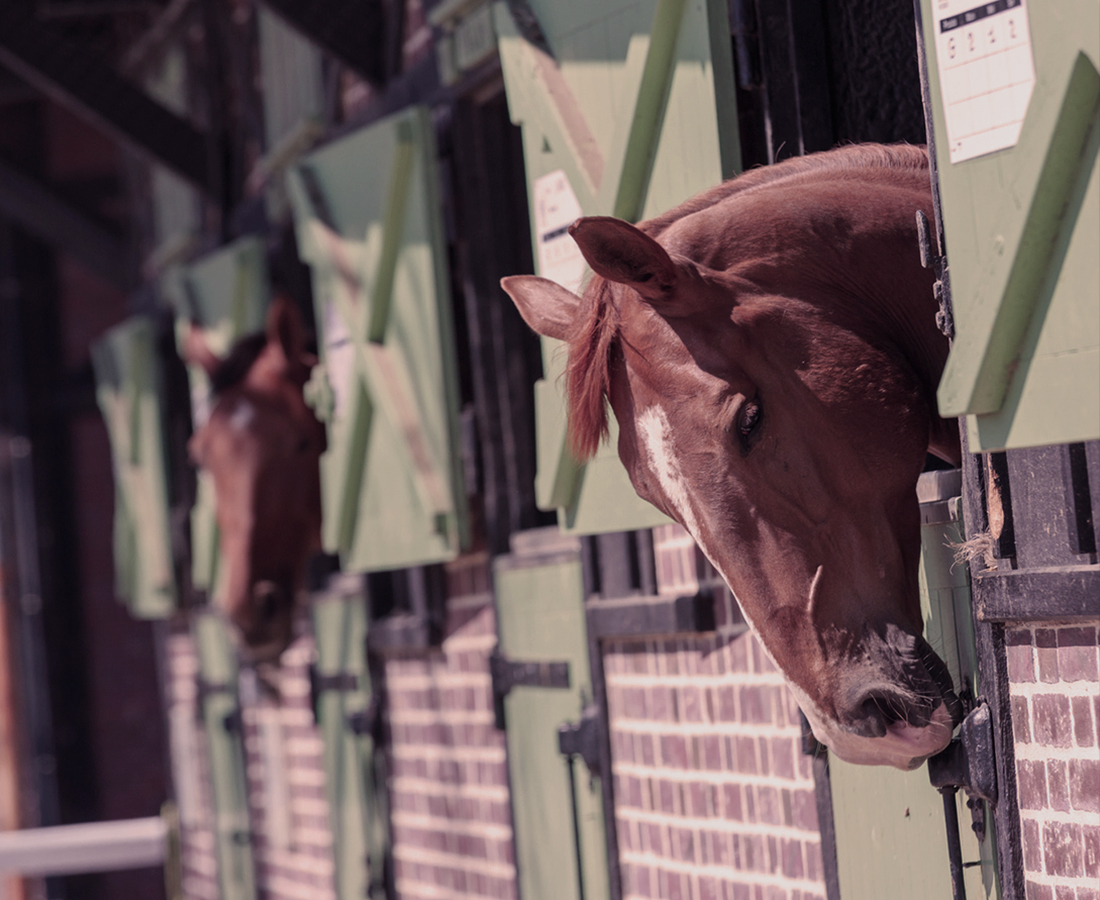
{"x": 657, "y": 127}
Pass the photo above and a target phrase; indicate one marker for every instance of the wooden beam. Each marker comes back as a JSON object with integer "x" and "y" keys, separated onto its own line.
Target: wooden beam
{"x": 78, "y": 78}
{"x": 354, "y": 32}
{"x": 40, "y": 211}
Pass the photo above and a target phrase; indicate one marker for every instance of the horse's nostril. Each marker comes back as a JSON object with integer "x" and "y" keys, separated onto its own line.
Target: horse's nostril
{"x": 266, "y": 594}
{"x": 872, "y": 722}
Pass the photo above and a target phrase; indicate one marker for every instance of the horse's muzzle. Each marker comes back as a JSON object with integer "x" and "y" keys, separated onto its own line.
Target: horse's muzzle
{"x": 264, "y": 625}
{"x": 907, "y": 693}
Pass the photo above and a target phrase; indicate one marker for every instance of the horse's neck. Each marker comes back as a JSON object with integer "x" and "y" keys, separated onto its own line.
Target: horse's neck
{"x": 894, "y": 309}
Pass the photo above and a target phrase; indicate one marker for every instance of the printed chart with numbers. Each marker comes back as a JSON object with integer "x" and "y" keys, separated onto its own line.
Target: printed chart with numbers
{"x": 986, "y": 70}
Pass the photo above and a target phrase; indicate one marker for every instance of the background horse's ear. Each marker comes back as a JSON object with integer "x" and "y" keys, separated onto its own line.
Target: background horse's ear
{"x": 196, "y": 351}
{"x": 284, "y": 328}
{"x": 545, "y": 305}
{"x": 621, "y": 253}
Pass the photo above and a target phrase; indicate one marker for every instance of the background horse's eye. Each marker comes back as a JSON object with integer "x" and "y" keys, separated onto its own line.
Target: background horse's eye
{"x": 749, "y": 420}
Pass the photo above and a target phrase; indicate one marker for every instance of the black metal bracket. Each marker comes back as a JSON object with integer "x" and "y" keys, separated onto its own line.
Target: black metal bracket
{"x": 507, "y": 674}
{"x": 968, "y": 762}
{"x": 582, "y": 738}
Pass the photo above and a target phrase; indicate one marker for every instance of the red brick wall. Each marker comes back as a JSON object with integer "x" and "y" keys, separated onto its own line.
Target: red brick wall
{"x": 284, "y": 753}
{"x": 713, "y": 796}
{"x": 1054, "y": 673}
{"x": 450, "y": 804}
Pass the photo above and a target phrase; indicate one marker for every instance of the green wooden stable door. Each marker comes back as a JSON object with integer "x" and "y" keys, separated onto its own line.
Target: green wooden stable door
{"x": 354, "y": 764}
{"x": 540, "y": 619}
{"x": 369, "y": 224}
{"x": 1016, "y": 107}
{"x": 130, "y": 393}
{"x": 220, "y": 709}
{"x": 625, "y": 112}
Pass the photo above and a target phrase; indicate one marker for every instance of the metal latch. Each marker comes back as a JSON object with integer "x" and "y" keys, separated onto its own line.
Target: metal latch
{"x": 968, "y": 762}
{"x": 508, "y": 673}
{"x": 583, "y": 739}
{"x": 231, "y": 721}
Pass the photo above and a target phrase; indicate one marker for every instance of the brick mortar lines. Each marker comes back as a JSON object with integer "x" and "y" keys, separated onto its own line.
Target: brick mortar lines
{"x": 408, "y": 888}
{"x": 430, "y": 787}
{"x": 726, "y": 872}
{"x": 452, "y": 826}
{"x": 442, "y": 859}
{"x": 716, "y": 823}
{"x": 411, "y": 751}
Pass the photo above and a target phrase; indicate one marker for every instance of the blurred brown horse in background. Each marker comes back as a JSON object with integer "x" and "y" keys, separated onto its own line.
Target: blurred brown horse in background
{"x": 770, "y": 352}
{"x": 262, "y": 445}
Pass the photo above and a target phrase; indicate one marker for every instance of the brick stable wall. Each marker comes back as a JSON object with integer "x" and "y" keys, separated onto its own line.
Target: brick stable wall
{"x": 1054, "y": 675}
{"x": 450, "y": 804}
{"x": 713, "y": 796}
{"x": 292, "y": 836}
{"x": 190, "y": 768}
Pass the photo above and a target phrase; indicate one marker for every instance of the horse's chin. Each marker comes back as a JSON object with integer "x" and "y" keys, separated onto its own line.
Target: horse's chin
{"x": 903, "y": 746}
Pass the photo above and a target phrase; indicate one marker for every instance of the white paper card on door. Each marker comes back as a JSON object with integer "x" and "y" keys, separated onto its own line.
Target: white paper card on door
{"x": 987, "y": 72}
{"x": 556, "y": 208}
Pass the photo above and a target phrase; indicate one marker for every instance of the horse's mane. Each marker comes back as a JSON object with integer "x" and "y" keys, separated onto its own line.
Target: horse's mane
{"x": 594, "y": 342}
{"x": 232, "y": 370}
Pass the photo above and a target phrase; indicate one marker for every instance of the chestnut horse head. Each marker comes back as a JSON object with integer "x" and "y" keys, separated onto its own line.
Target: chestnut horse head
{"x": 262, "y": 445}
{"x": 770, "y": 352}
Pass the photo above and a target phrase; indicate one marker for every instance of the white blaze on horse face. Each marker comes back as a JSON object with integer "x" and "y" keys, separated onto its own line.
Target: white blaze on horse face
{"x": 657, "y": 437}
{"x": 243, "y": 414}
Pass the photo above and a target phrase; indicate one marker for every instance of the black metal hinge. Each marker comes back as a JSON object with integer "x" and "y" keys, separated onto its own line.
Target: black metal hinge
{"x": 507, "y": 674}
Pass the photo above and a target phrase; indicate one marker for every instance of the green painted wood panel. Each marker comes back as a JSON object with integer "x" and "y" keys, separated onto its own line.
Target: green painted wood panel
{"x": 221, "y": 714}
{"x": 636, "y": 108}
{"x": 226, "y": 294}
{"x": 540, "y": 617}
{"x": 1022, "y": 227}
{"x": 354, "y": 766}
{"x": 890, "y": 833}
{"x": 369, "y": 224}
{"x": 130, "y": 394}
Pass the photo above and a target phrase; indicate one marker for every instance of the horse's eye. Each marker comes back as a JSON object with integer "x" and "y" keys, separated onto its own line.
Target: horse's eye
{"x": 303, "y": 444}
{"x": 748, "y": 421}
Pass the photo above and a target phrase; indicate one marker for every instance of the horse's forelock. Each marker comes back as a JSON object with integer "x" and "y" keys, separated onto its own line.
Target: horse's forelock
{"x": 588, "y": 372}
{"x": 242, "y": 356}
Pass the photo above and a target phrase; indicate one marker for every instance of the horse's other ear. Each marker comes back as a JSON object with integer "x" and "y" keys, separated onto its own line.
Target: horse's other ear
{"x": 621, "y": 253}
{"x": 545, "y": 305}
{"x": 284, "y": 327}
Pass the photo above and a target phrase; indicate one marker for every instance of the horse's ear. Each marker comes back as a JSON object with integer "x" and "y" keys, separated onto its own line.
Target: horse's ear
{"x": 196, "y": 351}
{"x": 622, "y": 253}
{"x": 545, "y": 305}
{"x": 284, "y": 328}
